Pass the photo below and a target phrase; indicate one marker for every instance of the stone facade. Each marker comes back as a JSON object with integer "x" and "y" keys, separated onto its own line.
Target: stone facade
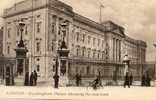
{"x": 94, "y": 47}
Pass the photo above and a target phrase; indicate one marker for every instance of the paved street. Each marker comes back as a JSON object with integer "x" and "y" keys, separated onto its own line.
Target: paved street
{"x": 108, "y": 93}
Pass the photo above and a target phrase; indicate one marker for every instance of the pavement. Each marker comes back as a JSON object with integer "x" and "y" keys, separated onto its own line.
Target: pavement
{"x": 74, "y": 93}
{"x": 43, "y": 91}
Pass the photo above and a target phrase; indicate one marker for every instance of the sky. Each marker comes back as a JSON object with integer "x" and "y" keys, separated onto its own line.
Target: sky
{"x": 138, "y": 17}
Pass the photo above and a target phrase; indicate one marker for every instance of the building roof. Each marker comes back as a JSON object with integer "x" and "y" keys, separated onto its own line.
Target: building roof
{"x": 107, "y": 26}
{"x": 136, "y": 42}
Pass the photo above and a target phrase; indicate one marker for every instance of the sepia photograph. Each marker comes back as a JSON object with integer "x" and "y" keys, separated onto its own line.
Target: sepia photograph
{"x": 78, "y": 49}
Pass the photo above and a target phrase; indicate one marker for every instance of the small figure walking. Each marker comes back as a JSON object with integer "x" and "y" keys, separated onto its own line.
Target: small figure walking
{"x": 148, "y": 80}
{"x": 127, "y": 80}
{"x": 143, "y": 82}
{"x": 95, "y": 83}
{"x": 78, "y": 79}
{"x": 31, "y": 79}
{"x": 35, "y": 77}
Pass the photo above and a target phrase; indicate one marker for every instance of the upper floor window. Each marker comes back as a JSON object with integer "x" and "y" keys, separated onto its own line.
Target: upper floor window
{"x": 38, "y": 27}
{"x": 83, "y": 38}
{"x": 89, "y": 38}
{"x": 9, "y": 30}
{"x": 77, "y": 36}
{"x": 88, "y": 53}
{"x": 98, "y": 42}
{"x": 83, "y": 51}
{"x": 38, "y": 46}
{"x": 94, "y": 39}
{"x": 98, "y": 55}
{"x": 94, "y": 54}
{"x": 102, "y": 43}
{"x": 26, "y": 30}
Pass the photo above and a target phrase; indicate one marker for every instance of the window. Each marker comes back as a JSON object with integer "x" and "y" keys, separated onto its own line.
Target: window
{"x": 83, "y": 38}
{"x": 93, "y": 54}
{"x": 88, "y": 53}
{"x": 98, "y": 55}
{"x": 38, "y": 27}
{"x": 77, "y": 51}
{"x": 38, "y": 68}
{"x": 77, "y": 36}
{"x": 94, "y": 41}
{"x": 103, "y": 55}
{"x": 26, "y": 30}
{"x": 38, "y": 46}
{"x": 89, "y": 39}
{"x": 83, "y": 51}
{"x": 98, "y": 42}
{"x": 8, "y": 50}
{"x": 102, "y": 43}
{"x": 9, "y": 30}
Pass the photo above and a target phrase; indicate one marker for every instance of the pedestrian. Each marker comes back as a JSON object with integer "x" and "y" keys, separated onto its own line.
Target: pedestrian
{"x": 31, "y": 79}
{"x": 143, "y": 80}
{"x": 131, "y": 79}
{"x": 95, "y": 83}
{"x": 77, "y": 79}
{"x": 127, "y": 80}
{"x": 26, "y": 82}
{"x": 35, "y": 77}
{"x": 148, "y": 80}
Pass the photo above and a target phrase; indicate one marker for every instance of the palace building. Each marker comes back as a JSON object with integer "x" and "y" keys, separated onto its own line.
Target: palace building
{"x": 93, "y": 47}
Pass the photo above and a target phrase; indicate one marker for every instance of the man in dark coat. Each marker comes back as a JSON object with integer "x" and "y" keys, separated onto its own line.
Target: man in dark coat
{"x": 26, "y": 82}
{"x": 127, "y": 80}
{"x": 35, "y": 77}
{"x": 148, "y": 80}
{"x": 77, "y": 79}
{"x": 143, "y": 82}
{"x": 31, "y": 79}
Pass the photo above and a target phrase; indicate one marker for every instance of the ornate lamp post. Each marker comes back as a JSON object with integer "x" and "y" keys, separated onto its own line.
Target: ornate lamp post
{"x": 21, "y": 52}
{"x": 21, "y": 26}
{"x": 61, "y": 59}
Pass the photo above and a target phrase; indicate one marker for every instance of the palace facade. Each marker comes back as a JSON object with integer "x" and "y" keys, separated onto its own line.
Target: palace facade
{"x": 93, "y": 47}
